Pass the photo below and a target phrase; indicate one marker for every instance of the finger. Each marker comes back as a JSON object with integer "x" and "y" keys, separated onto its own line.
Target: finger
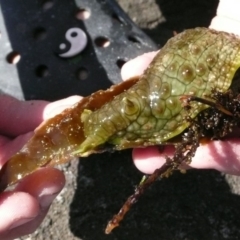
{"x": 150, "y": 158}
{"x": 57, "y": 107}
{"x": 43, "y": 185}
{"x": 4, "y": 140}
{"x": 10, "y": 147}
{"x": 220, "y": 155}
{"x": 25, "y": 228}
{"x": 227, "y": 18}
{"x": 16, "y": 208}
{"x": 19, "y": 117}
{"x": 222, "y": 23}
{"x": 136, "y": 66}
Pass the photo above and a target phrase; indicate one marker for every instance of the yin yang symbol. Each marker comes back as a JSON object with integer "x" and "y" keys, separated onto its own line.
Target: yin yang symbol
{"x": 78, "y": 41}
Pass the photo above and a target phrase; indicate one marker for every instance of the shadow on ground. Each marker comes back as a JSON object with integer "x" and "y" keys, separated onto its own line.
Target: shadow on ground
{"x": 197, "y": 205}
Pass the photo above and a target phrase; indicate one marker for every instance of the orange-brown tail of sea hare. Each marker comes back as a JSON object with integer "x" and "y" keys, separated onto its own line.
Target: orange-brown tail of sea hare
{"x": 57, "y": 140}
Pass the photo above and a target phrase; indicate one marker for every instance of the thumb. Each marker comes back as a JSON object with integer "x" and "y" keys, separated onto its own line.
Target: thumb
{"x": 44, "y": 185}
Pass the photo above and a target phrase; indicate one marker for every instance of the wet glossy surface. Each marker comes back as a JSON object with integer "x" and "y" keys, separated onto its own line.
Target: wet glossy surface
{"x": 136, "y": 113}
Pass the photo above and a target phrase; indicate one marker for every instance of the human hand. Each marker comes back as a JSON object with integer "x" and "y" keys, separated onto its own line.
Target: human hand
{"x": 219, "y": 155}
{"x": 23, "y": 209}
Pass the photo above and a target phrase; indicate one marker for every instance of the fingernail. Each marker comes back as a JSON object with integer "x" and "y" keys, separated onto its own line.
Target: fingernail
{"x": 20, "y": 222}
{"x": 45, "y": 201}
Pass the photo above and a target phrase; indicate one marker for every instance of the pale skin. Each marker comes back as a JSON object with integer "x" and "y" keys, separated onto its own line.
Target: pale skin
{"x": 23, "y": 209}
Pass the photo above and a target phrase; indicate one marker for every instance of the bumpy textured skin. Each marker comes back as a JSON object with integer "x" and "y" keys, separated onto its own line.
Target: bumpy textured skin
{"x": 135, "y": 113}
{"x": 192, "y": 63}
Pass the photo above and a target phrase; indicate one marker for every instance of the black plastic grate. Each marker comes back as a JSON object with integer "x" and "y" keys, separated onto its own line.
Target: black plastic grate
{"x": 33, "y": 32}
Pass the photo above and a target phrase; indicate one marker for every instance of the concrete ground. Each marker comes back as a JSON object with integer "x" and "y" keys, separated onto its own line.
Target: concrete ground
{"x": 198, "y": 205}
